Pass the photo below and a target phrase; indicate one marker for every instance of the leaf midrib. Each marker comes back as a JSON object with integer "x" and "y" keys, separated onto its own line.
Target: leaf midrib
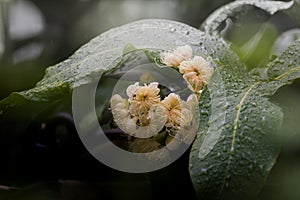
{"x": 235, "y": 126}
{"x": 236, "y": 121}
{"x": 287, "y": 73}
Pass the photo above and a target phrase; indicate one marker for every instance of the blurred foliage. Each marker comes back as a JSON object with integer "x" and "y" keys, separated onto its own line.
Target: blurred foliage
{"x": 256, "y": 51}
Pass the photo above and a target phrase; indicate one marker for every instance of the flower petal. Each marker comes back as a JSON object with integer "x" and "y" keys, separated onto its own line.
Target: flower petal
{"x": 175, "y": 57}
{"x": 131, "y": 89}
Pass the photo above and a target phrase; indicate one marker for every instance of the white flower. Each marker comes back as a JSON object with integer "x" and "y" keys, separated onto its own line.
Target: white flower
{"x": 186, "y": 117}
{"x": 192, "y": 102}
{"x": 141, "y": 98}
{"x": 119, "y": 107}
{"x": 188, "y": 130}
{"x": 197, "y": 72}
{"x": 179, "y": 113}
{"x": 172, "y": 105}
{"x": 175, "y": 57}
{"x": 156, "y": 117}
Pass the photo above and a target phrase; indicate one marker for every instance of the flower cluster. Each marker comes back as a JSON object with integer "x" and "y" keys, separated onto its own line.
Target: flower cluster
{"x": 144, "y": 114}
{"x": 148, "y": 116}
{"x": 196, "y": 70}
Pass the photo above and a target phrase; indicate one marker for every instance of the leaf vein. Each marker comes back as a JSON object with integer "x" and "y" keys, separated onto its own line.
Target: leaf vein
{"x": 235, "y": 126}
{"x": 287, "y": 73}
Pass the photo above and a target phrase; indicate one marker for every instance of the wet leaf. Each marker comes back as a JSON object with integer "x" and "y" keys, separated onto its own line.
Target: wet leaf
{"x": 216, "y": 21}
{"x": 285, "y": 68}
{"x": 104, "y": 54}
{"x": 238, "y": 142}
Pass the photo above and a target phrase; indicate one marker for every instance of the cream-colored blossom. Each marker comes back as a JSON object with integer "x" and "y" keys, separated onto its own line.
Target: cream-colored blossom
{"x": 179, "y": 113}
{"x": 175, "y": 57}
{"x": 119, "y": 107}
{"x": 141, "y": 98}
{"x": 172, "y": 105}
{"x": 186, "y": 117}
{"x": 196, "y": 72}
{"x": 192, "y": 102}
{"x": 187, "y": 131}
{"x": 156, "y": 116}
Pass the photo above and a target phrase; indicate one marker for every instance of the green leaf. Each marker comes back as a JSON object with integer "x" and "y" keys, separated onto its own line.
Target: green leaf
{"x": 256, "y": 51}
{"x": 216, "y": 21}
{"x": 238, "y": 141}
{"x": 104, "y": 54}
{"x": 237, "y": 144}
{"x": 284, "y": 69}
